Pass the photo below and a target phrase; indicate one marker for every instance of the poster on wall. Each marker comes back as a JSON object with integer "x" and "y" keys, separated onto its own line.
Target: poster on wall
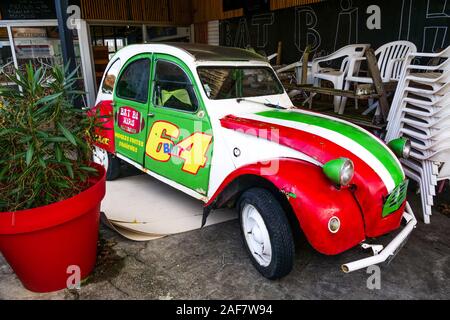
{"x": 329, "y": 25}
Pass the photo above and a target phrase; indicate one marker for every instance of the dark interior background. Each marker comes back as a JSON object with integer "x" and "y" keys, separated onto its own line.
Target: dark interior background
{"x": 332, "y": 24}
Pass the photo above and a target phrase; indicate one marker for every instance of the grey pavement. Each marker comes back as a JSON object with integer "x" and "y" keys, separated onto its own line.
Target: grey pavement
{"x": 211, "y": 263}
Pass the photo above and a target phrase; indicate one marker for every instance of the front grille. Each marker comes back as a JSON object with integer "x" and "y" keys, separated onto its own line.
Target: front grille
{"x": 395, "y": 199}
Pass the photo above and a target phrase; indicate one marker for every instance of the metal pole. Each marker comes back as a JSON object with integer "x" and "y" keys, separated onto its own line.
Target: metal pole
{"x": 13, "y": 47}
{"x": 65, "y": 35}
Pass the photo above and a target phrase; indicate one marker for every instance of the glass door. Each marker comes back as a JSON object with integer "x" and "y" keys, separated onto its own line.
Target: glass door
{"x": 42, "y": 47}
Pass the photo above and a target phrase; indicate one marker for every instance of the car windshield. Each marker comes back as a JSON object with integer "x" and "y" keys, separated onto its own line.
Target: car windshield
{"x": 239, "y": 82}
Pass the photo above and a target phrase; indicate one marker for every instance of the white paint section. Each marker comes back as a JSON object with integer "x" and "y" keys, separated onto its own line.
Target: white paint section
{"x": 171, "y": 183}
{"x": 338, "y": 139}
{"x": 213, "y": 33}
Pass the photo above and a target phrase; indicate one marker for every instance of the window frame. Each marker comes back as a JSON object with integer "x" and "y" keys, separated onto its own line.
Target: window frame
{"x": 122, "y": 71}
{"x": 106, "y": 73}
{"x": 192, "y": 84}
{"x": 238, "y": 67}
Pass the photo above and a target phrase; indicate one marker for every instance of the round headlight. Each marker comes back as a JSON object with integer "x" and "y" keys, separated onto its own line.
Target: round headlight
{"x": 406, "y": 149}
{"x": 340, "y": 171}
{"x": 401, "y": 147}
{"x": 334, "y": 224}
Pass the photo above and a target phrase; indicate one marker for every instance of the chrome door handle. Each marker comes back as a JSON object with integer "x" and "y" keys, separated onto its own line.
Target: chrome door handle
{"x": 150, "y": 115}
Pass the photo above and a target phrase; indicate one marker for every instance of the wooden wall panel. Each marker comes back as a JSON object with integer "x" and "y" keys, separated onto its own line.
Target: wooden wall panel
{"x": 155, "y": 10}
{"x": 201, "y": 32}
{"x": 208, "y": 10}
{"x": 181, "y": 11}
{"x": 281, "y": 4}
{"x": 161, "y": 11}
{"x": 104, "y": 9}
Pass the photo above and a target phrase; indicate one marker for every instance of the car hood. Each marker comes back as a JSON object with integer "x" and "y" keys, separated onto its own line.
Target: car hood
{"x": 325, "y": 138}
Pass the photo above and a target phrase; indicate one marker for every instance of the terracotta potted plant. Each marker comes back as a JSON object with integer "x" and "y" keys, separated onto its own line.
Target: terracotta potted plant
{"x": 50, "y": 191}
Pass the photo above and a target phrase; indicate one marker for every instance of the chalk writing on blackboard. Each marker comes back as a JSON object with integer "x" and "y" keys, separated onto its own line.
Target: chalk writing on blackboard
{"x": 25, "y": 9}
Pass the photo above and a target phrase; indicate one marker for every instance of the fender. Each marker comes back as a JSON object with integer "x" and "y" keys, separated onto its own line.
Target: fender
{"x": 104, "y": 135}
{"x": 370, "y": 189}
{"x": 313, "y": 199}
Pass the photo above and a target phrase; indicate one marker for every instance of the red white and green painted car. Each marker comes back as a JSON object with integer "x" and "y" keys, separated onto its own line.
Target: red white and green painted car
{"x": 217, "y": 124}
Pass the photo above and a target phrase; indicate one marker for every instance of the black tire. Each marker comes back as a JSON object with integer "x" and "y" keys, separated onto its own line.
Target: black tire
{"x": 113, "y": 171}
{"x": 280, "y": 234}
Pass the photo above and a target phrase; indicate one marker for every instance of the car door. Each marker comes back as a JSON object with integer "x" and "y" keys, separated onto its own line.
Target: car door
{"x": 179, "y": 143}
{"x": 131, "y": 103}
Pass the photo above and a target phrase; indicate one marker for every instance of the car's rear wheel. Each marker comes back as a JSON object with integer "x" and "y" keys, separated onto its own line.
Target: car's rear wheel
{"x": 267, "y": 233}
{"x": 109, "y": 161}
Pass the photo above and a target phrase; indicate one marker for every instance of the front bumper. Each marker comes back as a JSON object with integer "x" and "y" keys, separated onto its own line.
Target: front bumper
{"x": 381, "y": 255}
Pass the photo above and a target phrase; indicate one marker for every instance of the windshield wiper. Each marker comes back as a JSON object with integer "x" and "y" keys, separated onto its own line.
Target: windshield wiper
{"x": 266, "y": 104}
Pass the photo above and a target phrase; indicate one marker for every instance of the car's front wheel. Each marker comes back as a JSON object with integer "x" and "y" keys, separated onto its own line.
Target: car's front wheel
{"x": 267, "y": 233}
{"x": 109, "y": 161}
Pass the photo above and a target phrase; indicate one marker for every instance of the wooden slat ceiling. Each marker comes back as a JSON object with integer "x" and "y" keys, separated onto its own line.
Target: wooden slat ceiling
{"x": 281, "y": 4}
{"x": 164, "y": 11}
{"x": 170, "y": 11}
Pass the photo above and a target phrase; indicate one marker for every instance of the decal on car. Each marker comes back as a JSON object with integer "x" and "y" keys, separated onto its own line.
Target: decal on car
{"x": 129, "y": 120}
{"x": 193, "y": 149}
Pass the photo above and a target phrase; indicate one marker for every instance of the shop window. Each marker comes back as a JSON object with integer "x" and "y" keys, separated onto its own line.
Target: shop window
{"x": 134, "y": 81}
{"x": 6, "y": 59}
{"x": 173, "y": 89}
{"x": 111, "y": 77}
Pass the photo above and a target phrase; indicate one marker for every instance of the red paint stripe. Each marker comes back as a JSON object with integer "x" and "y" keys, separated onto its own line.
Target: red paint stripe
{"x": 310, "y": 144}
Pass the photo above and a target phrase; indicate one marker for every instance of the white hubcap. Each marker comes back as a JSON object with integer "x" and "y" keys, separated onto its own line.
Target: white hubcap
{"x": 100, "y": 156}
{"x": 256, "y": 235}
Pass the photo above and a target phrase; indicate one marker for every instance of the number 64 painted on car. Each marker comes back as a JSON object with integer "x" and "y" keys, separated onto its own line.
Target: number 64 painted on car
{"x": 217, "y": 124}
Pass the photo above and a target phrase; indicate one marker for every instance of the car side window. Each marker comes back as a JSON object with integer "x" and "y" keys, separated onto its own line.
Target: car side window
{"x": 133, "y": 83}
{"x": 172, "y": 88}
{"x": 111, "y": 77}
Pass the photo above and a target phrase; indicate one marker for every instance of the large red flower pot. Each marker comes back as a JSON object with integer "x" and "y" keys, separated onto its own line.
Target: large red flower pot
{"x": 46, "y": 245}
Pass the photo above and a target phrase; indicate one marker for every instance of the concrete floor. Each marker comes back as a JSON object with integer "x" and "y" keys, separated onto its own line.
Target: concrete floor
{"x": 212, "y": 264}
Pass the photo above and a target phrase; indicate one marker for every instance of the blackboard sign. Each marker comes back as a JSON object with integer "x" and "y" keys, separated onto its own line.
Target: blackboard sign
{"x": 27, "y": 9}
{"x": 329, "y": 25}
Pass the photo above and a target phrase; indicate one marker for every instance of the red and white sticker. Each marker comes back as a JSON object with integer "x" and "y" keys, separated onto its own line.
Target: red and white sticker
{"x": 129, "y": 120}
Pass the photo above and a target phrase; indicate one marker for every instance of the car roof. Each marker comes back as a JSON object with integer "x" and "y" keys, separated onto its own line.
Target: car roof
{"x": 204, "y": 52}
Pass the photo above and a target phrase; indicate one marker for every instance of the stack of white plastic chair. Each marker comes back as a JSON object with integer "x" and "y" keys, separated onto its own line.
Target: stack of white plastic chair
{"x": 420, "y": 112}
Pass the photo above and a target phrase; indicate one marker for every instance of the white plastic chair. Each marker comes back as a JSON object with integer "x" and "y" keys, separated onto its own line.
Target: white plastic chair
{"x": 421, "y": 112}
{"x": 391, "y": 60}
{"x": 337, "y": 76}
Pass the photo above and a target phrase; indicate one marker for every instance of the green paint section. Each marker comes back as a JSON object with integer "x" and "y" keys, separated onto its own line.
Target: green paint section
{"x": 292, "y": 195}
{"x": 398, "y": 146}
{"x": 395, "y": 200}
{"x": 188, "y": 123}
{"x": 366, "y": 140}
{"x": 333, "y": 168}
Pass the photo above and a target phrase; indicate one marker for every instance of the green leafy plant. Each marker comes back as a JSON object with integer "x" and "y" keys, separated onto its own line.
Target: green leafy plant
{"x": 45, "y": 141}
